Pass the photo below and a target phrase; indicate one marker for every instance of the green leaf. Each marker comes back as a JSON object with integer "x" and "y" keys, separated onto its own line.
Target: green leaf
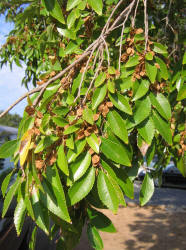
{"x": 8, "y": 149}
{"x": 133, "y": 61}
{"x": 32, "y": 241}
{"x": 159, "y": 48}
{"x": 98, "y": 96}
{"x": 107, "y": 193}
{"x": 147, "y": 189}
{"x": 142, "y": 90}
{"x": 163, "y": 68}
{"x": 82, "y": 187}
{"x": 118, "y": 191}
{"x": 55, "y": 181}
{"x": 161, "y": 104}
{"x": 71, "y": 129}
{"x": 70, "y": 142}
{"x": 67, "y": 33}
{"x": 111, "y": 70}
{"x": 72, "y": 3}
{"x": 73, "y": 154}
{"x": 162, "y": 127}
{"x": 142, "y": 110}
{"x": 94, "y": 237}
{"x": 59, "y": 121}
{"x": 118, "y": 125}
{"x": 40, "y": 212}
{"x": 115, "y": 151}
{"x": 72, "y": 18}
{"x": 93, "y": 142}
{"x": 111, "y": 86}
{"x": 54, "y": 9}
{"x": 97, "y": 6}
{"x": 100, "y": 79}
{"x": 181, "y": 165}
{"x": 125, "y": 183}
{"x": 149, "y": 56}
{"x": 5, "y": 183}
{"x": 19, "y": 216}
{"x": 146, "y": 130}
{"x": 79, "y": 167}
{"x": 45, "y": 142}
{"x": 52, "y": 200}
{"x": 184, "y": 59}
{"x": 182, "y": 93}
{"x": 88, "y": 116}
{"x": 10, "y": 195}
{"x": 151, "y": 71}
{"x": 100, "y": 221}
{"x": 62, "y": 160}
{"x": 121, "y": 103}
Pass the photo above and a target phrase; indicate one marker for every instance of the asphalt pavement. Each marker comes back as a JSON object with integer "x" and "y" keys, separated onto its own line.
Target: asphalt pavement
{"x": 169, "y": 197}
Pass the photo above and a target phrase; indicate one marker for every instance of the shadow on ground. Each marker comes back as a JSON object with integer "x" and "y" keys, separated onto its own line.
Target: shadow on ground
{"x": 147, "y": 228}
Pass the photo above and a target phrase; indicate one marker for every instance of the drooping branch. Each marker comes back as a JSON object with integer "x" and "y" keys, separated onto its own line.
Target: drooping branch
{"x": 107, "y": 29}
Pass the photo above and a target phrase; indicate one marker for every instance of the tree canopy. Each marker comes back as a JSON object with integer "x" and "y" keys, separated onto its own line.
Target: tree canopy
{"x": 109, "y": 96}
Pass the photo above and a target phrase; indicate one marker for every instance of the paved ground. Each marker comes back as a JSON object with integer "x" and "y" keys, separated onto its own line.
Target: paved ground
{"x": 170, "y": 197}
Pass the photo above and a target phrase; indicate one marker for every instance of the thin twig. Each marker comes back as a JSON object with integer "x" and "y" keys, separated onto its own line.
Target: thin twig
{"x": 107, "y": 50}
{"x": 146, "y": 24}
{"x": 111, "y": 15}
{"x": 83, "y": 75}
{"x": 121, "y": 39}
{"x": 120, "y": 17}
{"x": 135, "y": 12}
{"x": 94, "y": 77}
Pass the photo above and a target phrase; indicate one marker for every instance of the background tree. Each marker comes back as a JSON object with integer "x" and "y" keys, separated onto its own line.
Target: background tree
{"x": 10, "y": 120}
{"x": 110, "y": 96}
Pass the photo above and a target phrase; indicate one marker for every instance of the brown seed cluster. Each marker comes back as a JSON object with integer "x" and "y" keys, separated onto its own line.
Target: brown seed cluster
{"x": 104, "y": 108}
{"x": 182, "y": 143}
{"x": 86, "y": 130}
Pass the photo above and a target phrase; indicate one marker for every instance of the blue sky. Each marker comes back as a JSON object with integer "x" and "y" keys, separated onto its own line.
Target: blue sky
{"x": 10, "y": 81}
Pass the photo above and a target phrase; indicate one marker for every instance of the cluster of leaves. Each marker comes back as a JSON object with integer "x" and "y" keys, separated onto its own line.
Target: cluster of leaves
{"x": 10, "y": 120}
{"x": 81, "y": 147}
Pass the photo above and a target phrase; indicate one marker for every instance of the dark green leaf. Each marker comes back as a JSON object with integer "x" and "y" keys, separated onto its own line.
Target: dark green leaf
{"x": 151, "y": 71}
{"x": 147, "y": 189}
{"x": 10, "y": 195}
{"x": 118, "y": 125}
{"x": 121, "y": 103}
{"x": 94, "y": 237}
{"x": 88, "y": 116}
{"x": 100, "y": 221}
{"x": 8, "y": 149}
{"x": 142, "y": 110}
{"x": 72, "y": 3}
{"x": 115, "y": 151}
{"x": 161, "y": 103}
{"x": 97, "y": 6}
{"x": 82, "y": 187}
{"x": 163, "y": 68}
{"x": 19, "y": 216}
{"x": 54, "y": 9}
{"x": 93, "y": 142}
{"x": 133, "y": 61}
{"x": 62, "y": 160}
{"x": 162, "y": 127}
{"x": 5, "y": 183}
{"x": 100, "y": 79}
{"x": 79, "y": 167}
{"x": 146, "y": 130}
{"x": 142, "y": 90}
{"x": 73, "y": 154}
{"x": 107, "y": 193}
{"x": 98, "y": 96}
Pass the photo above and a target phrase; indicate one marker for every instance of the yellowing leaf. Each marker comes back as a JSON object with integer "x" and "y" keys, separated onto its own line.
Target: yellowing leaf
{"x": 24, "y": 147}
